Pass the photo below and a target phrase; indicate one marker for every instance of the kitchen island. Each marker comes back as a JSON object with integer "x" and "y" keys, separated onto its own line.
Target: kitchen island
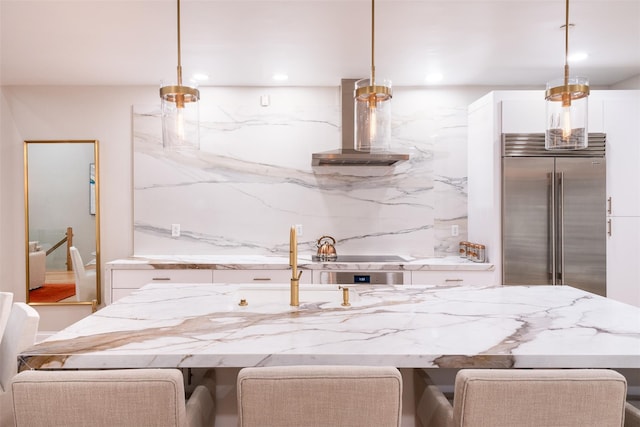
{"x": 204, "y": 325}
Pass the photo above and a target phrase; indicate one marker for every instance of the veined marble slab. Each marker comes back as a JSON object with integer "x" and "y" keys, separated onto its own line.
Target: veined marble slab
{"x": 195, "y": 325}
{"x": 252, "y": 177}
{"x": 259, "y": 262}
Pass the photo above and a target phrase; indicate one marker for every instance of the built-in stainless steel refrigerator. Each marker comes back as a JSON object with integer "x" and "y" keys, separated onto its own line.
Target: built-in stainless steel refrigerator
{"x": 553, "y": 214}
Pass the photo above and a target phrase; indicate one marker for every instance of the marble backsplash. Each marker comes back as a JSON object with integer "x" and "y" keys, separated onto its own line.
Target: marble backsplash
{"x": 252, "y": 178}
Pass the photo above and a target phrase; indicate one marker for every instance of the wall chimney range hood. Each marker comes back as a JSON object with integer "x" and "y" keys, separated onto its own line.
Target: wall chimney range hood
{"x": 347, "y": 155}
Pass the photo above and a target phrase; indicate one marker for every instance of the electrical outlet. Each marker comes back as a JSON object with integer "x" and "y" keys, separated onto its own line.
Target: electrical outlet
{"x": 175, "y": 230}
{"x": 299, "y": 229}
{"x": 455, "y": 230}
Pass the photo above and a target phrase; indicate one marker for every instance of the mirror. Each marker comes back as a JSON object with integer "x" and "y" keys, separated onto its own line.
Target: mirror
{"x": 62, "y": 222}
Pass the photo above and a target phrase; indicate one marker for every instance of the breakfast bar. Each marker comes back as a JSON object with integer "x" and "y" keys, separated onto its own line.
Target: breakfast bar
{"x": 231, "y": 326}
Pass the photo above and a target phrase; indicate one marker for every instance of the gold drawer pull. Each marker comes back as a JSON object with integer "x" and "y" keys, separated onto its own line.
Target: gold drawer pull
{"x": 454, "y": 280}
{"x": 161, "y": 278}
{"x": 262, "y": 279}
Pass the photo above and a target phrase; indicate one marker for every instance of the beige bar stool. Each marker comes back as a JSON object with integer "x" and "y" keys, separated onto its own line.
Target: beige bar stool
{"x": 314, "y": 396}
{"x": 524, "y": 398}
{"x": 126, "y": 398}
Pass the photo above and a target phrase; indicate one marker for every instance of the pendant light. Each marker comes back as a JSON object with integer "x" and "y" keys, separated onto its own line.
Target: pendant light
{"x": 566, "y": 109}
{"x": 372, "y": 103}
{"x": 180, "y": 112}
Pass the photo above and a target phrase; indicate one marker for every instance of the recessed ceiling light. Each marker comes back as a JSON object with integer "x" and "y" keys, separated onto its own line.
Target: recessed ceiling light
{"x": 580, "y": 56}
{"x": 280, "y": 77}
{"x": 433, "y": 78}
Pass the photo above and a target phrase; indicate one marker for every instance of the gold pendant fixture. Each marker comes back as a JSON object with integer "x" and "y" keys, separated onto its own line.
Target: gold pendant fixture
{"x": 180, "y": 112}
{"x": 372, "y": 104}
{"x": 566, "y": 107}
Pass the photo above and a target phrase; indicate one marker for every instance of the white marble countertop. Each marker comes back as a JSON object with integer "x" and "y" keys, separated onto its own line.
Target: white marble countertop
{"x": 261, "y": 262}
{"x": 196, "y": 325}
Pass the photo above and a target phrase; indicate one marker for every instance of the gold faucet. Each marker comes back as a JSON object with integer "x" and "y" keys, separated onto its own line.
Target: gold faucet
{"x": 293, "y": 262}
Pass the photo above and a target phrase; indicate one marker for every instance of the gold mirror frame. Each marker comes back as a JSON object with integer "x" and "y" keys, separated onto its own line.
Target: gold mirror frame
{"x": 32, "y": 246}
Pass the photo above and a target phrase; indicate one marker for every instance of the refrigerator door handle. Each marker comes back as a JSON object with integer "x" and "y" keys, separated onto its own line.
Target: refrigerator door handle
{"x": 552, "y": 221}
{"x": 560, "y": 227}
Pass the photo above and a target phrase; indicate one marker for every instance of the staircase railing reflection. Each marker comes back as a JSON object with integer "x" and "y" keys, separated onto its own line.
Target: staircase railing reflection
{"x": 68, "y": 239}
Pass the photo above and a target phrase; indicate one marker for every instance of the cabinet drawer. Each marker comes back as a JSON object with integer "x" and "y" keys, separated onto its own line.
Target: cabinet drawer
{"x": 133, "y": 279}
{"x": 258, "y": 276}
{"x": 454, "y": 277}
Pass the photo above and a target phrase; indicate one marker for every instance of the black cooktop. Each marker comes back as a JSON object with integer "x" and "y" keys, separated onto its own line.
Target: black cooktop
{"x": 362, "y": 258}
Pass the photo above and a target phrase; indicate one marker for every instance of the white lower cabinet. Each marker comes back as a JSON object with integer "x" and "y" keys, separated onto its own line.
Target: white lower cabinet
{"x": 259, "y": 276}
{"x": 123, "y": 282}
{"x": 120, "y": 282}
{"x": 623, "y": 259}
{"x": 453, "y": 277}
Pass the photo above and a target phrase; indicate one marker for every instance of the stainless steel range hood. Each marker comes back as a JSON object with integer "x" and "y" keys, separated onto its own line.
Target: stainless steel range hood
{"x": 347, "y": 155}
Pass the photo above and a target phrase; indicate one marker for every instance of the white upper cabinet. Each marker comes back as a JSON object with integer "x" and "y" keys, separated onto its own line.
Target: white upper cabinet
{"x": 622, "y": 126}
{"x": 523, "y": 115}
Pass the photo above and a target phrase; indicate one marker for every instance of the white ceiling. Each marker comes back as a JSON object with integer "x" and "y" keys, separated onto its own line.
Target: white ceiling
{"x": 238, "y": 42}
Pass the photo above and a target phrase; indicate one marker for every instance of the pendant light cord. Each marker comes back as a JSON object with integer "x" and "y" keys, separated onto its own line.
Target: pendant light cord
{"x": 566, "y": 46}
{"x": 179, "y": 55}
{"x": 373, "y": 24}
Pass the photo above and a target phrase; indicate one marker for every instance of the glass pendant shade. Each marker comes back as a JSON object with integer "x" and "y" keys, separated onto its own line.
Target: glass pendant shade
{"x": 567, "y": 114}
{"x": 180, "y": 110}
{"x": 372, "y": 104}
{"x": 180, "y": 117}
{"x": 566, "y": 106}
